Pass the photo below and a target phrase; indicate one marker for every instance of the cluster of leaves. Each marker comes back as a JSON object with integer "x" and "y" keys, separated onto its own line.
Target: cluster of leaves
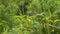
{"x": 29, "y": 16}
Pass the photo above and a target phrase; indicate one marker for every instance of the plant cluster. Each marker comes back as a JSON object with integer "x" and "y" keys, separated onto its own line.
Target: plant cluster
{"x": 29, "y": 16}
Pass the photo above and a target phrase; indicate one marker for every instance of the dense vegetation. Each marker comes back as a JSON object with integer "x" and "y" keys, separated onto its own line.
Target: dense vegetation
{"x": 29, "y": 16}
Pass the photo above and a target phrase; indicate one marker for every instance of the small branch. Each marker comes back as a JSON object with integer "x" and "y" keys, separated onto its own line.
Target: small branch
{"x": 54, "y": 26}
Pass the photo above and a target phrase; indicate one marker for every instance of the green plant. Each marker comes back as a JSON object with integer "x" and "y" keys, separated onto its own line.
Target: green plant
{"x": 29, "y": 16}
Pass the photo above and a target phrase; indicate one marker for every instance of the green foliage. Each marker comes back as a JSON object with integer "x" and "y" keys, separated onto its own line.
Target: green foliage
{"x": 29, "y": 16}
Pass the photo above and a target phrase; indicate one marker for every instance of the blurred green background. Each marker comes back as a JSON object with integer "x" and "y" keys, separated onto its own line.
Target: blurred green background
{"x": 29, "y": 16}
